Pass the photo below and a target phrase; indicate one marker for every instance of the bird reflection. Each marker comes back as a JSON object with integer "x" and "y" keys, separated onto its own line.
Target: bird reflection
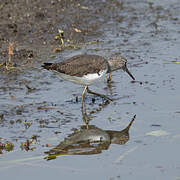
{"x": 87, "y": 117}
{"x": 89, "y": 139}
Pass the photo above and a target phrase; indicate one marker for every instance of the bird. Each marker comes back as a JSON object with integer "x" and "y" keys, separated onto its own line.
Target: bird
{"x": 87, "y": 69}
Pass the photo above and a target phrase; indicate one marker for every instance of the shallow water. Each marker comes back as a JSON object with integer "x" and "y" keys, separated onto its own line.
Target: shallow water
{"x": 149, "y": 37}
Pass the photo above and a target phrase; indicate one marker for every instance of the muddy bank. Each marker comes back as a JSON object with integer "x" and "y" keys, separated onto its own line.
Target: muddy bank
{"x": 32, "y": 25}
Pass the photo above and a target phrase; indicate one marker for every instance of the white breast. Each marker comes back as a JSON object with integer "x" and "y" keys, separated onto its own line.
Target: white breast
{"x": 84, "y": 80}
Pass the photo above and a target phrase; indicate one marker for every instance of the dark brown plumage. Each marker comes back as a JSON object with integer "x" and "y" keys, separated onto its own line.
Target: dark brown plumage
{"x": 79, "y": 65}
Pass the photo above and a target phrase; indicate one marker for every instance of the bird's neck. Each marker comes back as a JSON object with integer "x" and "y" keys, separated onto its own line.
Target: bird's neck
{"x": 111, "y": 66}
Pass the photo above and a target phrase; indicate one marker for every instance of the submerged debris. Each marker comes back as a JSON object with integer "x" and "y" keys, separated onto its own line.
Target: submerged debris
{"x": 7, "y": 146}
{"x": 26, "y": 145}
{"x": 8, "y": 64}
{"x": 16, "y": 58}
{"x": 74, "y": 46}
{"x": 60, "y": 36}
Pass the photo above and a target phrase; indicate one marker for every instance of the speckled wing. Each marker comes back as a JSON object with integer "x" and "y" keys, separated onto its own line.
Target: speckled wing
{"x": 79, "y": 65}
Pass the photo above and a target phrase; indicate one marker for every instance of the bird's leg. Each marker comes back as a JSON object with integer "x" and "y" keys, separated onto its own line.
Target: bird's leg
{"x": 97, "y": 94}
{"x": 109, "y": 86}
{"x": 85, "y": 117}
{"x": 108, "y": 78}
{"x": 83, "y": 96}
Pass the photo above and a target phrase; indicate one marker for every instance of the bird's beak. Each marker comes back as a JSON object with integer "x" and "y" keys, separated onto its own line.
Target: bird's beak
{"x": 126, "y": 70}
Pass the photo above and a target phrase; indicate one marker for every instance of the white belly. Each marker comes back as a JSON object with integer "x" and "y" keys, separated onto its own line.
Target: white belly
{"x": 84, "y": 80}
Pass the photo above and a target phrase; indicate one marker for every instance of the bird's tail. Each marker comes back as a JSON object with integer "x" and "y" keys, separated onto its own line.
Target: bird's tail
{"x": 47, "y": 66}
